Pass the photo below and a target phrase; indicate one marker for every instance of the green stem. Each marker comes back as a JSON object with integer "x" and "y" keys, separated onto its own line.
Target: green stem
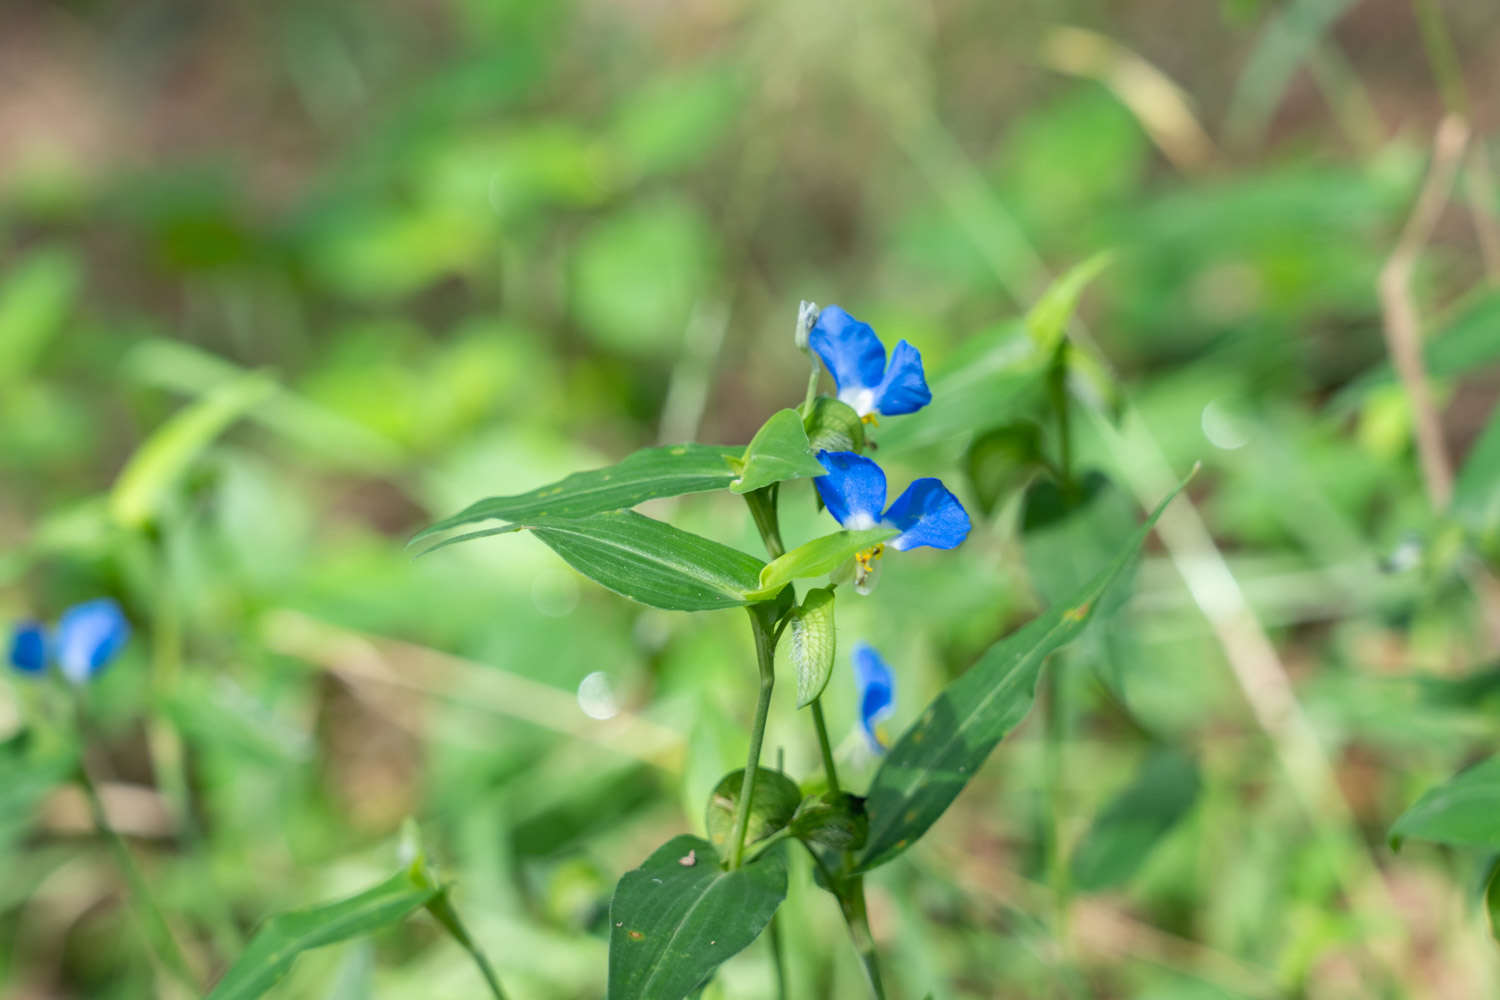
{"x": 1442, "y": 57}
{"x": 812, "y": 389}
{"x": 824, "y": 746}
{"x": 1054, "y": 721}
{"x": 158, "y": 934}
{"x": 442, "y": 910}
{"x": 1057, "y": 388}
{"x": 762, "y": 504}
{"x": 765, "y": 659}
{"x": 778, "y": 957}
{"x": 852, "y": 902}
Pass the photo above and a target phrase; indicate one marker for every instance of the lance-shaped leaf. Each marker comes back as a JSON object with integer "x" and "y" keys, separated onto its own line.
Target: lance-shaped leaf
{"x": 779, "y": 451}
{"x": 1463, "y": 811}
{"x": 158, "y": 464}
{"x": 654, "y": 563}
{"x": 819, "y": 556}
{"x": 285, "y": 936}
{"x": 648, "y": 474}
{"x": 679, "y": 916}
{"x": 1047, "y": 321}
{"x": 808, "y": 646}
{"x": 1123, "y": 836}
{"x": 935, "y": 758}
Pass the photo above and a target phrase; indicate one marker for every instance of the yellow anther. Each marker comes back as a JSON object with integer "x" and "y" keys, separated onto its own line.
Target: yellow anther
{"x": 869, "y": 418}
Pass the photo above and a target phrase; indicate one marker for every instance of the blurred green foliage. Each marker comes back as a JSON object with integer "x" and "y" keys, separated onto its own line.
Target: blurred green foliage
{"x": 464, "y": 247}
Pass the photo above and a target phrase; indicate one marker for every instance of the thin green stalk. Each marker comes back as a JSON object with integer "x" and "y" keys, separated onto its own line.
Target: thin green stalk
{"x": 762, "y": 504}
{"x": 778, "y": 957}
{"x": 765, "y": 659}
{"x": 1442, "y": 57}
{"x": 1057, "y": 388}
{"x": 812, "y": 389}
{"x": 1052, "y": 765}
{"x": 442, "y": 910}
{"x": 824, "y": 746}
{"x": 154, "y": 925}
{"x": 856, "y": 915}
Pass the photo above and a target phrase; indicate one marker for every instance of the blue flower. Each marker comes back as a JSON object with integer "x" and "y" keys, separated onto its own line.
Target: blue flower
{"x": 28, "y": 648}
{"x": 856, "y": 357}
{"x": 875, "y": 687}
{"x": 88, "y": 637}
{"x": 925, "y": 513}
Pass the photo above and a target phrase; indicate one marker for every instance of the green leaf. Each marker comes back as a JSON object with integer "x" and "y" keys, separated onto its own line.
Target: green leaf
{"x": 285, "y": 936}
{"x": 679, "y": 916}
{"x": 654, "y": 563}
{"x": 772, "y": 805}
{"x": 819, "y": 556}
{"x": 936, "y": 757}
{"x": 35, "y": 300}
{"x": 1464, "y": 811}
{"x": 808, "y": 644}
{"x": 999, "y": 461}
{"x": 1068, "y": 537}
{"x": 668, "y": 471}
{"x": 1476, "y": 494}
{"x": 778, "y": 451}
{"x": 1124, "y": 834}
{"x": 1047, "y": 321}
{"x": 157, "y": 464}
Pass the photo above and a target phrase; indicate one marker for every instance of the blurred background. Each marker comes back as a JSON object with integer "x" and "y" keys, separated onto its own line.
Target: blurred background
{"x": 472, "y": 245}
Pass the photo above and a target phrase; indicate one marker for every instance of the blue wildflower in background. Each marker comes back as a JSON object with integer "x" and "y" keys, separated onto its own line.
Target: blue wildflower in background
{"x": 875, "y": 688}
{"x": 856, "y": 358}
{"x": 28, "y": 648}
{"x": 88, "y": 637}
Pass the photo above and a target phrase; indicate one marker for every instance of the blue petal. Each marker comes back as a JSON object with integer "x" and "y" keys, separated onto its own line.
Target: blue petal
{"x": 875, "y": 688}
{"x": 28, "y": 648}
{"x": 854, "y": 489}
{"x": 850, "y": 349}
{"x": 927, "y": 514}
{"x": 904, "y": 388}
{"x": 88, "y": 637}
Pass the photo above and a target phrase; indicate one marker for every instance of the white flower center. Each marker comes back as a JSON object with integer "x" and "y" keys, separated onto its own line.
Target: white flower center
{"x": 860, "y": 521}
{"x": 862, "y": 401}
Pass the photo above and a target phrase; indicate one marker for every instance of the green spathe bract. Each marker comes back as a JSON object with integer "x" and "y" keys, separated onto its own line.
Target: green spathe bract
{"x": 810, "y": 644}
{"x": 679, "y": 916}
{"x": 934, "y": 759}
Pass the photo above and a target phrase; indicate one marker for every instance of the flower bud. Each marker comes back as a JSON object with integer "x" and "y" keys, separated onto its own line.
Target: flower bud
{"x": 807, "y": 315}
